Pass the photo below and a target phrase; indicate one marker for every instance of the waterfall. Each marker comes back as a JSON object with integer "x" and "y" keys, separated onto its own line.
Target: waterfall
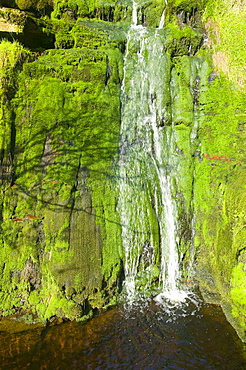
{"x": 134, "y": 14}
{"x": 162, "y": 21}
{"x": 146, "y": 166}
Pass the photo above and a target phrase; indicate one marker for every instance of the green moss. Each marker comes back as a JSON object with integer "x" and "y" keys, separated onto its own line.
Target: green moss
{"x": 188, "y": 5}
{"x": 238, "y": 296}
{"x": 149, "y": 13}
{"x": 33, "y": 4}
{"x": 103, "y": 10}
{"x": 62, "y": 155}
{"x": 61, "y": 249}
{"x": 185, "y": 41}
{"x": 185, "y": 166}
{"x": 238, "y": 291}
{"x": 12, "y": 55}
{"x": 227, "y": 29}
{"x": 182, "y": 99}
{"x": 219, "y": 185}
{"x": 12, "y": 20}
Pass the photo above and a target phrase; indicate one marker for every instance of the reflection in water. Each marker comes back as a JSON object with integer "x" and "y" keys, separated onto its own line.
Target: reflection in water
{"x": 144, "y": 337}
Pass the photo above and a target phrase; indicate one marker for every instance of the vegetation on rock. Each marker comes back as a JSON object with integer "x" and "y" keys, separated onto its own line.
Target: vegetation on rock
{"x": 61, "y": 252}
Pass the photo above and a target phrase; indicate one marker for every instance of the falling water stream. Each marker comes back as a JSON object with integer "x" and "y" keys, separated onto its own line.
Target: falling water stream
{"x": 147, "y": 165}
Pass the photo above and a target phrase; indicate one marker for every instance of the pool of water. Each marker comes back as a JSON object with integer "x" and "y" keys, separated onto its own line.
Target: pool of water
{"x": 142, "y": 336}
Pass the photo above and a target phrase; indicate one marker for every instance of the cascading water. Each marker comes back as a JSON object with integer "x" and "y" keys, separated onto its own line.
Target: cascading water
{"x": 147, "y": 164}
{"x": 162, "y": 21}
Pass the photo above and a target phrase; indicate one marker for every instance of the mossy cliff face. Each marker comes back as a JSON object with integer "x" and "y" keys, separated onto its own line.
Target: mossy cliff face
{"x": 60, "y": 232}
{"x": 60, "y": 244}
{"x": 219, "y": 181}
{"x": 61, "y": 249}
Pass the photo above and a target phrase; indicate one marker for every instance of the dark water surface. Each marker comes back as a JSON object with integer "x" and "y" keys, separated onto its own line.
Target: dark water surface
{"x": 144, "y": 337}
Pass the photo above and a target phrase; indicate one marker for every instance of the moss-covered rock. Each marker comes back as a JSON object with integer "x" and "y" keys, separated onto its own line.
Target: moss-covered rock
{"x": 61, "y": 252}
{"x": 149, "y": 12}
{"x": 64, "y": 124}
{"x": 12, "y": 20}
{"x": 220, "y": 171}
{"x": 33, "y": 4}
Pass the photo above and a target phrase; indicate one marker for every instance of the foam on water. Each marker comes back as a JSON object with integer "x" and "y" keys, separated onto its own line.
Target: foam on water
{"x": 174, "y": 296}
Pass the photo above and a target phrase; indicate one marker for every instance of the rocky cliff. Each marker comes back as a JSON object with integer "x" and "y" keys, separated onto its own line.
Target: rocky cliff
{"x": 61, "y": 75}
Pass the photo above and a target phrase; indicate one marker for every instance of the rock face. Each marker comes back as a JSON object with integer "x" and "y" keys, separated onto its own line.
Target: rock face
{"x": 61, "y": 249}
{"x": 61, "y": 252}
{"x": 12, "y": 20}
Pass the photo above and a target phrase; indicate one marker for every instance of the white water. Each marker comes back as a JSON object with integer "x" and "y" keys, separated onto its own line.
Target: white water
{"x": 162, "y": 21}
{"x": 147, "y": 164}
{"x": 134, "y": 14}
